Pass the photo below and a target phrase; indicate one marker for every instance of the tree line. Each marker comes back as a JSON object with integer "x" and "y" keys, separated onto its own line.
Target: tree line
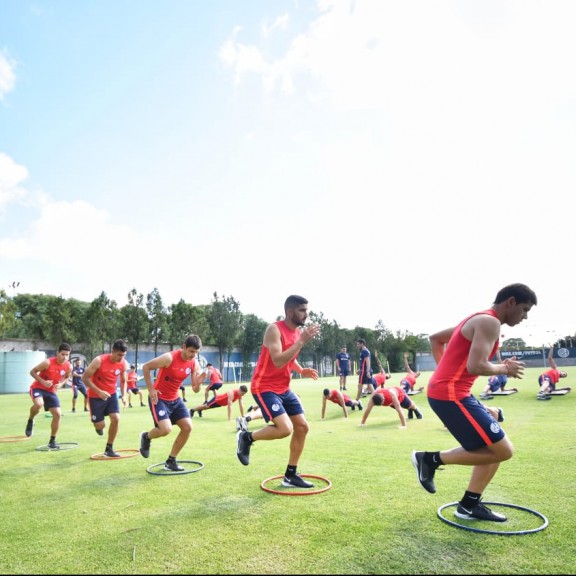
{"x": 93, "y": 326}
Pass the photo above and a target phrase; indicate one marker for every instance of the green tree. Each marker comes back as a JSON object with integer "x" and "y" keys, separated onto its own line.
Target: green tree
{"x": 8, "y": 312}
{"x": 225, "y": 321}
{"x": 60, "y": 324}
{"x": 157, "y": 319}
{"x": 102, "y": 320}
{"x": 134, "y": 321}
{"x": 185, "y": 319}
{"x": 251, "y": 342}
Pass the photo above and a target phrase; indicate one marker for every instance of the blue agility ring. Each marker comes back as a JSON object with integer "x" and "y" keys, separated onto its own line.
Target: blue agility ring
{"x": 158, "y": 469}
{"x": 499, "y": 533}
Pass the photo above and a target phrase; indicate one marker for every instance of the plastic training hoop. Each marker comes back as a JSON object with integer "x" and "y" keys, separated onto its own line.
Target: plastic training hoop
{"x": 300, "y": 491}
{"x": 61, "y": 447}
{"x": 498, "y": 532}
{"x": 158, "y": 469}
{"x": 128, "y": 453}
{"x": 20, "y": 438}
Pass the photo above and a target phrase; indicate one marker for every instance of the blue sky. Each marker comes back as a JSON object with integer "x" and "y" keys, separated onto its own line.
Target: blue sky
{"x": 397, "y": 161}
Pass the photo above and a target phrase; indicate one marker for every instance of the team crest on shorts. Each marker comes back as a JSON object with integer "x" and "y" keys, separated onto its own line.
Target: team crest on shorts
{"x": 494, "y": 427}
{"x": 275, "y": 407}
{"x": 161, "y": 412}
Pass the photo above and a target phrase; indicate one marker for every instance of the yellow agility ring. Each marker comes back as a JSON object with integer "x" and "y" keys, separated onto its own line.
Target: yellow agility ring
{"x": 286, "y": 491}
{"x": 20, "y": 438}
{"x": 127, "y": 453}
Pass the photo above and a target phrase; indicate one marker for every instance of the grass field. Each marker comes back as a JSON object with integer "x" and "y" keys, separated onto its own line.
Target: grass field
{"x": 64, "y": 513}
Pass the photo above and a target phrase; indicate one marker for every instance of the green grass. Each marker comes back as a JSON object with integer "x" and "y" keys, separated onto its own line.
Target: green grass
{"x": 63, "y": 513}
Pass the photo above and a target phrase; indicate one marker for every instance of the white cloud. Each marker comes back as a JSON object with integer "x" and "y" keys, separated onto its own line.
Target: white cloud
{"x": 11, "y": 176}
{"x": 7, "y": 76}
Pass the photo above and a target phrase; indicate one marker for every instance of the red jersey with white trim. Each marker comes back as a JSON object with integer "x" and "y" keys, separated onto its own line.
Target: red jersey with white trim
{"x": 451, "y": 379}
{"x": 385, "y": 393}
{"x": 55, "y": 372}
{"x": 334, "y": 397}
{"x": 215, "y": 375}
{"x": 106, "y": 377}
{"x": 410, "y": 379}
{"x": 170, "y": 378}
{"x": 268, "y": 378}
{"x": 380, "y": 379}
{"x": 553, "y": 374}
{"x": 132, "y": 379}
{"x": 222, "y": 399}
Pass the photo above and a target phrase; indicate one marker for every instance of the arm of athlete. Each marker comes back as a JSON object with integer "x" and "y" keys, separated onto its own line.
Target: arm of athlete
{"x": 438, "y": 343}
{"x": 484, "y": 331}
{"x": 280, "y": 358}
{"x": 155, "y": 364}
{"x": 35, "y": 373}
{"x": 398, "y": 409}
{"x": 87, "y": 378}
{"x": 343, "y": 404}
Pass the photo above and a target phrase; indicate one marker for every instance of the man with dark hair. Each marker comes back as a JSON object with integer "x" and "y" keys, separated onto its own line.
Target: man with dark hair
{"x": 365, "y": 372}
{"x": 78, "y": 385}
{"x": 340, "y": 399}
{"x": 396, "y": 398}
{"x": 132, "y": 385}
{"x": 166, "y": 406}
{"x": 101, "y": 378}
{"x": 283, "y": 342}
{"x": 343, "y": 366}
{"x": 547, "y": 380}
{"x": 215, "y": 383}
{"x": 49, "y": 375}
{"x": 463, "y": 353}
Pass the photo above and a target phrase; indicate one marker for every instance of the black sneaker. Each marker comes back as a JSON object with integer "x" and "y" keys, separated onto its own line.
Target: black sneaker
{"x": 486, "y": 396}
{"x": 29, "y": 428}
{"x": 419, "y": 415}
{"x": 424, "y": 471}
{"x": 129, "y": 405}
{"x": 99, "y": 431}
{"x": 500, "y": 415}
{"x": 243, "y": 448}
{"x": 353, "y": 407}
{"x": 145, "y": 444}
{"x": 109, "y": 453}
{"x": 360, "y": 407}
{"x": 85, "y": 409}
{"x": 142, "y": 403}
{"x": 183, "y": 400}
{"x": 250, "y": 408}
{"x": 192, "y": 412}
{"x": 479, "y": 512}
{"x": 172, "y": 466}
{"x": 73, "y": 409}
{"x": 544, "y": 396}
{"x": 410, "y": 414}
{"x": 200, "y": 413}
{"x": 53, "y": 446}
{"x": 296, "y": 481}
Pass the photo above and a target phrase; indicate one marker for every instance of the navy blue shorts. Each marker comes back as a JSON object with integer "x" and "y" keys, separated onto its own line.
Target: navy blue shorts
{"x": 468, "y": 421}
{"x": 134, "y": 390}
{"x": 50, "y": 399}
{"x": 366, "y": 378}
{"x": 215, "y": 386}
{"x": 344, "y": 372}
{"x": 497, "y": 382}
{"x": 542, "y": 379}
{"x": 274, "y": 405}
{"x": 168, "y": 409}
{"x": 79, "y": 388}
{"x": 100, "y": 408}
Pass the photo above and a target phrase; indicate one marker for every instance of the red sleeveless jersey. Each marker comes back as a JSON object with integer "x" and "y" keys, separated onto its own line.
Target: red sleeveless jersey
{"x": 385, "y": 393}
{"x": 55, "y": 372}
{"x": 106, "y": 377}
{"x": 451, "y": 379}
{"x": 268, "y": 378}
{"x": 170, "y": 378}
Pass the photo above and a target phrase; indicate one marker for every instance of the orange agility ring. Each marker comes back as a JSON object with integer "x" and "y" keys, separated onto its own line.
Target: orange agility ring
{"x": 128, "y": 453}
{"x": 287, "y": 491}
{"x": 20, "y": 438}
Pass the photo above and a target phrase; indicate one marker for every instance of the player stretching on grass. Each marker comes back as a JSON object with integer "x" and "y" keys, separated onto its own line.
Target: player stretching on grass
{"x": 283, "y": 341}
{"x": 462, "y": 354}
